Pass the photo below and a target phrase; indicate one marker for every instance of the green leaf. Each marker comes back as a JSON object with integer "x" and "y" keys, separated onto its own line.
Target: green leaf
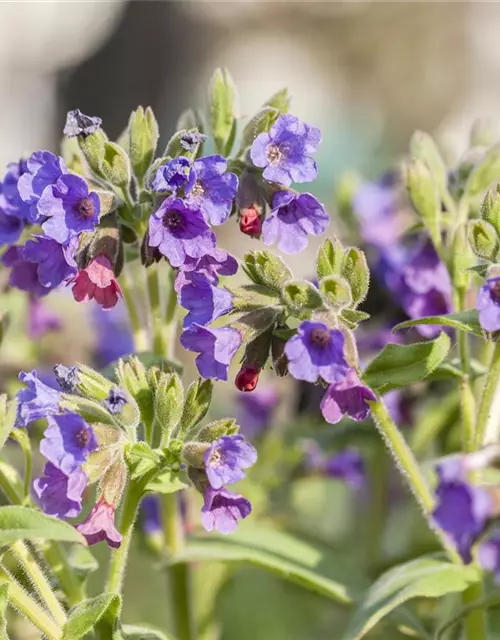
{"x": 426, "y": 577}
{"x": 22, "y": 523}
{"x": 141, "y": 459}
{"x": 169, "y": 402}
{"x": 115, "y": 165}
{"x": 329, "y": 260}
{"x": 484, "y": 174}
{"x": 280, "y": 100}
{"x": 462, "y": 321}
{"x": 312, "y": 566}
{"x": 353, "y": 317}
{"x": 8, "y": 412}
{"x": 81, "y": 561}
{"x": 483, "y": 239}
{"x": 84, "y": 617}
{"x": 262, "y": 121}
{"x": 92, "y": 147}
{"x": 267, "y": 269}
{"x": 137, "y": 632}
{"x": 490, "y": 208}
{"x": 221, "y": 106}
{"x": 301, "y": 297}
{"x": 198, "y": 399}
{"x": 143, "y": 138}
{"x": 336, "y": 291}
{"x": 167, "y": 482}
{"x": 215, "y": 430}
{"x": 354, "y": 269}
{"x": 90, "y": 410}
{"x": 398, "y": 365}
{"x": 4, "y": 601}
{"x": 424, "y": 196}
{"x": 423, "y": 147}
{"x": 253, "y": 296}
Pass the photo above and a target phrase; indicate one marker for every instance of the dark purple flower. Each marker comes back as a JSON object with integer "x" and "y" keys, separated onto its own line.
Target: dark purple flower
{"x": 67, "y": 377}
{"x": 78, "y": 124}
{"x": 489, "y": 555}
{"x": 216, "y": 347}
{"x": 60, "y": 494}
{"x": 150, "y": 514}
{"x": 286, "y": 150}
{"x": 348, "y": 396}
{"x": 55, "y": 263}
{"x": 12, "y": 201}
{"x": 293, "y": 218}
{"x": 113, "y": 335}
{"x": 255, "y": 410}
{"x": 488, "y": 304}
{"x": 11, "y": 226}
{"x": 67, "y": 441}
{"x": 347, "y": 465}
{"x": 218, "y": 263}
{"x": 179, "y": 231}
{"x": 214, "y": 190}
{"x": 43, "y": 169}
{"x": 176, "y": 175}
{"x": 317, "y": 352}
{"x": 24, "y": 274}
{"x": 191, "y": 139}
{"x": 115, "y": 401}
{"x": 40, "y": 319}
{"x": 69, "y": 207}
{"x": 204, "y": 301}
{"x": 222, "y": 510}
{"x": 36, "y": 401}
{"x": 462, "y": 509}
{"x": 226, "y": 459}
{"x": 99, "y": 526}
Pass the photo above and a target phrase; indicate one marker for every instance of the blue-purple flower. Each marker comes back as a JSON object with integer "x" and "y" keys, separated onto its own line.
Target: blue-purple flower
{"x": 489, "y": 554}
{"x": 60, "y": 494}
{"x": 191, "y": 139}
{"x": 222, "y": 510}
{"x": 67, "y": 441}
{"x": 226, "y": 460}
{"x": 116, "y": 401}
{"x": 317, "y": 352}
{"x": 14, "y": 213}
{"x": 41, "y": 320}
{"x": 293, "y": 218}
{"x": 179, "y": 230}
{"x": 255, "y": 410}
{"x": 218, "y": 263}
{"x": 24, "y": 274}
{"x": 54, "y": 263}
{"x": 216, "y": 347}
{"x": 176, "y": 176}
{"x": 347, "y": 465}
{"x": 150, "y": 514}
{"x": 43, "y": 169}
{"x": 11, "y": 226}
{"x": 348, "y": 396}
{"x": 488, "y": 304}
{"x": 204, "y": 301}
{"x": 462, "y": 510}
{"x": 69, "y": 207}
{"x": 79, "y": 124}
{"x": 36, "y": 401}
{"x": 214, "y": 189}
{"x": 113, "y": 335}
{"x": 285, "y": 152}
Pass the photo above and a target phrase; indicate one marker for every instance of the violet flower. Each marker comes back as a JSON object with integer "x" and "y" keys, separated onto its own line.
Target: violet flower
{"x": 36, "y": 401}
{"x": 40, "y": 319}
{"x": 488, "y": 304}
{"x": 347, "y": 465}
{"x": 116, "y": 401}
{"x": 214, "y": 189}
{"x": 348, "y": 396}
{"x": 489, "y": 555}
{"x": 54, "y": 263}
{"x": 150, "y": 514}
{"x": 113, "y": 335}
{"x": 78, "y": 124}
{"x": 24, "y": 274}
{"x": 43, "y": 169}
{"x": 204, "y": 301}
{"x": 67, "y": 377}
{"x": 255, "y": 410}
{"x": 218, "y": 263}
{"x": 216, "y": 347}
{"x": 59, "y": 494}
{"x": 222, "y": 510}
{"x": 67, "y": 441}
{"x": 176, "y": 176}
{"x": 226, "y": 460}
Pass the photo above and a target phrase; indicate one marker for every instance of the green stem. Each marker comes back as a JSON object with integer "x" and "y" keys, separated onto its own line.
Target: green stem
{"x": 178, "y": 574}
{"x": 20, "y": 600}
{"x": 409, "y": 467}
{"x": 170, "y": 328}
{"x": 487, "y": 396}
{"x": 35, "y": 574}
{"x": 8, "y": 488}
{"x": 467, "y": 403}
{"x": 68, "y": 579}
{"x": 475, "y": 623}
{"x": 156, "y": 312}
{"x": 139, "y": 333}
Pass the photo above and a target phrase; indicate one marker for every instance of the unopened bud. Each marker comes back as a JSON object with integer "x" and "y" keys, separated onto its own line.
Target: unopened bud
{"x": 194, "y": 453}
{"x": 247, "y": 378}
{"x": 199, "y": 479}
{"x": 250, "y": 221}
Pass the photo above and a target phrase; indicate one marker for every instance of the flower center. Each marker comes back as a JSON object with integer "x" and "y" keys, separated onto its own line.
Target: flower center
{"x": 215, "y": 458}
{"x": 172, "y": 219}
{"x": 82, "y": 437}
{"x": 197, "y": 191}
{"x": 495, "y": 290}
{"x": 86, "y": 208}
{"x": 273, "y": 154}
{"x": 321, "y": 337}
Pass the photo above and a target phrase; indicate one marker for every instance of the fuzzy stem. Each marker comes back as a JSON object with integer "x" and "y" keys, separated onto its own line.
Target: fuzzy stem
{"x": 20, "y": 600}
{"x": 377, "y": 510}
{"x": 70, "y": 584}
{"x": 35, "y": 574}
{"x": 156, "y": 312}
{"x": 487, "y": 396}
{"x": 170, "y": 326}
{"x": 178, "y": 574}
{"x": 138, "y": 331}
{"x": 467, "y": 403}
{"x": 475, "y": 623}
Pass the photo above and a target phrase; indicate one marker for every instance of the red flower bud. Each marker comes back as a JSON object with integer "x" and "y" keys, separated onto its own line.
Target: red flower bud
{"x": 250, "y": 221}
{"x": 247, "y": 378}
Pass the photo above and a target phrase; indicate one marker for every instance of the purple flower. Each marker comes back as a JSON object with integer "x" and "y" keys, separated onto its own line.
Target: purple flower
{"x": 40, "y": 319}
{"x": 489, "y": 555}
{"x": 255, "y": 410}
{"x": 67, "y": 441}
{"x": 347, "y": 465}
{"x": 116, "y": 401}
{"x": 462, "y": 509}
{"x": 214, "y": 189}
{"x": 191, "y": 139}
{"x": 14, "y": 213}
{"x": 24, "y": 274}
{"x": 222, "y": 510}
{"x": 69, "y": 207}
{"x": 317, "y": 352}
{"x": 286, "y": 150}
{"x": 179, "y": 231}
{"x": 488, "y": 305}
{"x": 216, "y": 347}
{"x": 150, "y": 514}
{"x": 218, "y": 263}
{"x": 204, "y": 301}
{"x": 176, "y": 175}
{"x": 55, "y": 264}
{"x": 112, "y": 331}
{"x": 36, "y": 401}
{"x": 11, "y": 226}
{"x": 99, "y": 526}
{"x": 67, "y": 377}
{"x": 60, "y": 494}
{"x": 349, "y": 396}
{"x": 43, "y": 169}
{"x": 226, "y": 459}
{"x": 293, "y": 218}
{"x": 78, "y": 124}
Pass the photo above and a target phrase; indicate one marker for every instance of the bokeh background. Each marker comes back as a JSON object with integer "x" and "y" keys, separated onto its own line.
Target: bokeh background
{"x": 368, "y": 73}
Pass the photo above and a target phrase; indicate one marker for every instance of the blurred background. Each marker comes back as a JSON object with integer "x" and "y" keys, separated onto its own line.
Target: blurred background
{"x": 368, "y": 73}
